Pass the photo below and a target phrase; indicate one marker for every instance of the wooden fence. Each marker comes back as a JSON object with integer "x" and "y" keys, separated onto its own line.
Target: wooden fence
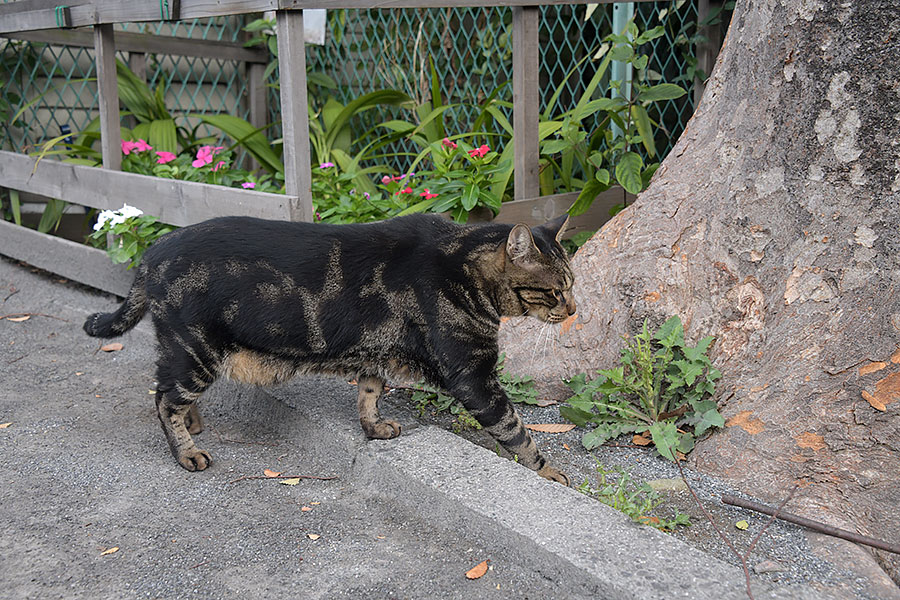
{"x": 182, "y": 203}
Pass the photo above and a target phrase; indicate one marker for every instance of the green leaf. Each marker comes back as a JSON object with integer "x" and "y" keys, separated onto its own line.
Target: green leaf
{"x": 586, "y": 197}
{"x": 642, "y": 122}
{"x": 602, "y": 175}
{"x": 628, "y": 172}
{"x": 162, "y": 135}
{"x": 671, "y": 333}
{"x": 662, "y": 91}
{"x": 575, "y": 415}
{"x": 470, "y": 196}
{"x": 708, "y": 419}
{"x": 689, "y": 370}
{"x": 665, "y": 438}
{"x": 649, "y": 35}
{"x": 595, "y": 437}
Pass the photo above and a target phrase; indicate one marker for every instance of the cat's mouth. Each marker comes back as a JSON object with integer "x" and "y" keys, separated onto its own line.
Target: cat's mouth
{"x": 555, "y": 318}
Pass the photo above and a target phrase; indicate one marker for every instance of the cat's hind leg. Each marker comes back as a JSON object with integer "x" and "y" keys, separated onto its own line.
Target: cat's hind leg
{"x": 370, "y": 391}
{"x": 172, "y": 406}
{"x": 184, "y": 371}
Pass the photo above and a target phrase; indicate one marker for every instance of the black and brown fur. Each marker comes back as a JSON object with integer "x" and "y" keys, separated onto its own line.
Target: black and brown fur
{"x": 261, "y": 301}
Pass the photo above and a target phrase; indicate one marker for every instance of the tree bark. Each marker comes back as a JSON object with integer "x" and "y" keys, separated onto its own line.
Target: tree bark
{"x": 774, "y": 224}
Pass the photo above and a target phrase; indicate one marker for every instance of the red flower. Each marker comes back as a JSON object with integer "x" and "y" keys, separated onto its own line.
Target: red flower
{"x": 446, "y": 143}
{"x": 480, "y": 151}
{"x": 428, "y": 195}
{"x": 407, "y": 190}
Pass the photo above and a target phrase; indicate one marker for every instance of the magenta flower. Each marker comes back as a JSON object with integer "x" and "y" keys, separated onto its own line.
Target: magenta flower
{"x": 141, "y": 146}
{"x": 248, "y": 185}
{"x": 446, "y": 143}
{"x": 205, "y": 155}
{"x": 428, "y": 195}
{"x": 219, "y": 165}
{"x": 480, "y": 151}
{"x": 325, "y": 165}
{"x": 163, "y": 157}
{"x": 386, "y": 180}
{"x": 127, "y": 147}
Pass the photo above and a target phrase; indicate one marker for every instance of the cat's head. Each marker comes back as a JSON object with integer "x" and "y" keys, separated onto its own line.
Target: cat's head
{"x": 538, "y": 272}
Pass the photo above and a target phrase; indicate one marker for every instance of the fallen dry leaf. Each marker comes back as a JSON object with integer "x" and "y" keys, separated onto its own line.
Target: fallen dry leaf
{"x": 271, "y": 473}
{"x": 313, "y": 536}
{"x": 566, "y": 446}
{"x": 648, "y": 520}
{"x": 112, "y": 550}
{"x": 641, "y": 440}
{"x": 18, "y": 319}
{"x": 291, "y": 481}
{"x": 550, "y": 427}
{"x": 5, "y": 425}
{"x": 478, "y": 570}
{"x": 305, "y": 508}
{"x": 315, "y": 503}
{"x": 742, "y": 525}
{"x": 114, "y": 347}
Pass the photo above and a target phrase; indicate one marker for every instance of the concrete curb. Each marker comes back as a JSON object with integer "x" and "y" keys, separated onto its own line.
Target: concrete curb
{"x": 594, "y": 550}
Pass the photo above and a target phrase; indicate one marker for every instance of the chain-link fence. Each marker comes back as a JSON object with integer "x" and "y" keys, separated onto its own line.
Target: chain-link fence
{"x": 365, "y": 50}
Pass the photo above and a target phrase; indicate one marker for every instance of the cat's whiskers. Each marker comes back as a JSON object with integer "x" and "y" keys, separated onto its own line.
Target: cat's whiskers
{"x": 545, "y": 327}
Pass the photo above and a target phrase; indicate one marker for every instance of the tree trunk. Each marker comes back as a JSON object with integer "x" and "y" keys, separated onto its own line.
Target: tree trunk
{"x": 774, "y": 224}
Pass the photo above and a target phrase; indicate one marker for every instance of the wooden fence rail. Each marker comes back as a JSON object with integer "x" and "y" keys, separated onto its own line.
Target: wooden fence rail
{"x": 183, "y": 203}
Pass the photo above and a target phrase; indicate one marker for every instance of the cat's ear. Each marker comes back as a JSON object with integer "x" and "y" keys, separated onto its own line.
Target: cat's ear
{"x": 520, "y": 245}
{"x": 557, "y": 227}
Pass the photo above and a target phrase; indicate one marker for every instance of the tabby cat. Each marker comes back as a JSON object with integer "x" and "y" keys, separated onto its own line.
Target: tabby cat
{"x": 260, "y": 301}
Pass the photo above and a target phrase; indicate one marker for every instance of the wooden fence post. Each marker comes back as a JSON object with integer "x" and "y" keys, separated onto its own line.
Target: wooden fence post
{"x": 294, "y": 115}
{"x": 526, "y": 101}
{"x": 108, "y": 91}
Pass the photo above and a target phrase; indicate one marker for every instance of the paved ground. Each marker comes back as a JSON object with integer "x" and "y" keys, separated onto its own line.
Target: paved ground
{"x": 84, "y": 469}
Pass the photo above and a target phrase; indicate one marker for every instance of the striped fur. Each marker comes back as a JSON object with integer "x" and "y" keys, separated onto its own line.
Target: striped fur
{"x": 262, "y": 301}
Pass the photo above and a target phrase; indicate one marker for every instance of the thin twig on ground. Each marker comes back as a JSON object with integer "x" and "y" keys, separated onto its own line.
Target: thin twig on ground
{"x": 814, "y": 525}
{"x": 283, "y": 477}
{"x": 746, "y": 555}
{"x": 31, "y": 314}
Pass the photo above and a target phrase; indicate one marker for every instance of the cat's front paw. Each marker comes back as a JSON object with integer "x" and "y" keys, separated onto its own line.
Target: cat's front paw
{"x": 553, "y": 474}
{"x": 381, "y": 430}
{"x": 194, "y": 460}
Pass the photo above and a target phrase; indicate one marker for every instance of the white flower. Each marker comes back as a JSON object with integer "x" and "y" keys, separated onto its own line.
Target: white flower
{"x": 112, "y": 218}
{"x": 129, "y": 211}
{"x": 102, "y": 218}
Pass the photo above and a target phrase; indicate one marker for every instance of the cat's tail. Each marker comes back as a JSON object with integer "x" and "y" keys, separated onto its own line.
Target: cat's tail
{"x": 105, "y": 325}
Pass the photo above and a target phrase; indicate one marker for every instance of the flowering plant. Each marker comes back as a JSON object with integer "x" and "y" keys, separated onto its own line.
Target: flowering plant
{"x": 460, "y": 181}
{"x": 126, "y": 233}
{"x": 337, "y": 200}
{"x": 208, "y": 164}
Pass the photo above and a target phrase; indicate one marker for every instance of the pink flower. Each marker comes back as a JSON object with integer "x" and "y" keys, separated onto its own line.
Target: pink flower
{"x": 407, "y": 190}
{"x": 163, "y": 157}
{"x": 428, "y": 195}
{"x": 219, "y": 165}
{"x": 480, "y": 151}
{"x": 127, "y": 147}
{"x": 325, "y": 165}
{"x": 446, "y": 143}
{"x": 386, "y": 180}
{"x": 141, "y": 146}
{"x": 205, "y": 155}
{"x": 248, "y": 185}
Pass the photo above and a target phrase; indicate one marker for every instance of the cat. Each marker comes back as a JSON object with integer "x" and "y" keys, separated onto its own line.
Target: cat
{"x": 260, "y": 301}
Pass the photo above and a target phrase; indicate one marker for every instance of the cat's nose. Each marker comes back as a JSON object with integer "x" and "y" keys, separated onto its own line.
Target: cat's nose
{"x": 570, "y": 307}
